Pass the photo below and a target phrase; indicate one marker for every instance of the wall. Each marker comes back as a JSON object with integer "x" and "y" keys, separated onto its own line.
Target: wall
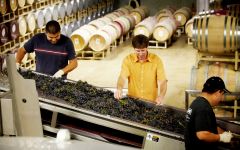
{"x": 156, "y": 5}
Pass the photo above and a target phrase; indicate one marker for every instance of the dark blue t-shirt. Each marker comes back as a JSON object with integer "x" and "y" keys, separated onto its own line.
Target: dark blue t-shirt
{"x": 50, "y": 57}
{"x": 200, "y": 117}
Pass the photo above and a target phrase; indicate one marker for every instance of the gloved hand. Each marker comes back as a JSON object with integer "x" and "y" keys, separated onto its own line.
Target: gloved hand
{"x": 58, "y": 74}
{"x": 118, "y": 94}
{"x": 63, "y": 135}
{"x": 226, "y": 137}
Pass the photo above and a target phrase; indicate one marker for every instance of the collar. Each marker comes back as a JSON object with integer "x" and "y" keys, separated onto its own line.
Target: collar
{"x": 135, "y": 59}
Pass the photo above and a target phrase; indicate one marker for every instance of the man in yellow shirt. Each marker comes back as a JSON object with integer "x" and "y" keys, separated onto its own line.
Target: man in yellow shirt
{"x": 144, "y": 72}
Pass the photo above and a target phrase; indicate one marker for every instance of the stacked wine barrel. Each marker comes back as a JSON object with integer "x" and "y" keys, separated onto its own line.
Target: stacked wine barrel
{"x": 104, "y": 31}
{"x": 166, "y": 26}
{"x": 215, "y": 35}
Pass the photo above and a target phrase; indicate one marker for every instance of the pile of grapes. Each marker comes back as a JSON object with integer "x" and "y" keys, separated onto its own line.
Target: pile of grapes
{"x": 83, "y": 95}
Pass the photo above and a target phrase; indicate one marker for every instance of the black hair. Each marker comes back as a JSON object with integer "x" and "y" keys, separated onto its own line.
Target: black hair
{"x": 53, "y": 27}
{"x": 140, "y": 41}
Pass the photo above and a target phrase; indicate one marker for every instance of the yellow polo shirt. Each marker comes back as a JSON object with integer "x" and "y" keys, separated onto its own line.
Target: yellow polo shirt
{"x": 143, "y": 77}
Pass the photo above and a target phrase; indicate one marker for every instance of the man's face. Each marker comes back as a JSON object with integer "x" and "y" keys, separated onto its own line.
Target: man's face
{"x": 219, "y": 97}
{"x": 141, "y": 53}
{"x": 53, "y": 38}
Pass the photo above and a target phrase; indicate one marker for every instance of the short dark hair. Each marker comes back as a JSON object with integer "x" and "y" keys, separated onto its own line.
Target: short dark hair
{"x": 214, "y": 84}
{"x": 140, "y": 41}
{"x": 53, "y": 27}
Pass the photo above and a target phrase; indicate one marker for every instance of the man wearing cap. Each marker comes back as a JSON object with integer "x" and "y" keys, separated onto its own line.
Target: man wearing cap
{"x": 201, "y": 130}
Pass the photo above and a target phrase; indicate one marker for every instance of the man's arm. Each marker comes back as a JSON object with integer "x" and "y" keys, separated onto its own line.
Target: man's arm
{"x": 163, "y": 90}
{"x": 20, "y": 54}
{"x": 72, "y": 65}
{"x": 211, "y": 137}
{"x": 208, "y": 136}
{"x": 120, "y": 85}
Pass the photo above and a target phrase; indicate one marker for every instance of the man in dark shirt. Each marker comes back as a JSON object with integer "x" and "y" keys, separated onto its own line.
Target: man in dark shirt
{"x": 201, "y": 130}
{"x": 55, "y": 54}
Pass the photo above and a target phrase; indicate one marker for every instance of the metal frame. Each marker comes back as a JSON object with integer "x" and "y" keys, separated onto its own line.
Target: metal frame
{"x": 164, "y": 139}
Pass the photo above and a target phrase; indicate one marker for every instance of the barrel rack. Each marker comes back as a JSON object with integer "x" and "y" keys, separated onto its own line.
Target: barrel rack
{"x": 156, "y": 44}
{"x": 227, "y": 57}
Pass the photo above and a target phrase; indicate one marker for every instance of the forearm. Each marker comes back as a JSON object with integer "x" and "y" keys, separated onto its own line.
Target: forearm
{"x": 72, "y": 65}
{"x": 120, "y": 83}
{"x": 162, "y": 88}
{"x": 20, "y": 54}
{"x": 208, "y": 136}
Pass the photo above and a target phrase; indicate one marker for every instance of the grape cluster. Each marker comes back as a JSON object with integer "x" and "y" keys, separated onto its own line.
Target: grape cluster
{"x": 83, "y": 95}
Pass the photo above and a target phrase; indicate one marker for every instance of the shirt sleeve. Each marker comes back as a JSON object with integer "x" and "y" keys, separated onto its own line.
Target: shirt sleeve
{"x": 71, "y": 50}
{"x": 125, "y": 69}
{"x": 160, "y": 70}
{"x": 29, "y": 45}
{"x": 202, "y": 120}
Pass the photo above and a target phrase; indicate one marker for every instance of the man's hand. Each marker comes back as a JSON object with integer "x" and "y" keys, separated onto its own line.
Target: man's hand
{"x": 58, "y": 74}
{"x": 118, "y": 94}
{"x": 225, "y": 137}
{"x": 159, "y": 100}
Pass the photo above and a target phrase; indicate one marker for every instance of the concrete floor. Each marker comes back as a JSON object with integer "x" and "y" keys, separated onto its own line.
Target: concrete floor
{"x": 178, "y": 60}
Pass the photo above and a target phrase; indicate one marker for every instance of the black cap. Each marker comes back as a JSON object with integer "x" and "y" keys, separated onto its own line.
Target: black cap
{"x": 214, "y": 84}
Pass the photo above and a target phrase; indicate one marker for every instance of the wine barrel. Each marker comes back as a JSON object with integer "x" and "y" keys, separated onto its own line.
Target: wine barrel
{"x": 99, "y": 23}
{"x": 61, "y": 10}
{"x": 106, "y": 20}
{"x": 117, "y": 27}
{"x": 182, "y": 15}
{"x": 125, "y": 10}
{"x": 145, "y": 27}
{"x": 81, "y": 36}
{"x": 112, "y": 16}
{"x": 39, "y": 17}
{"x": 68, "y": 6}
{"x": 75, "y": 5}
{"x": 21, "y": 3}
{"x": 3, "y": 7}
{"x": 64, "y": 30}
{"x": 140, "y": 13}
{"x": 164, "y": 29}
{"x": 22, "y": 25}
{"x": 164, "y": 13}
{"x": 233, "y": 10}
{"x": 216, "y": 34}
{"x": 225, "y": 71}
{"x": 4, "y": 33}
{"x": 54, "y": 12}
{"x": 13, "y": 5}
{"x": 80, "y": 4}
{"x": 30, "y": 2}
{"x": 102, "y": 39}
{"x": 69, "y": 30}
{"x": 131, "y": 21}
{"x": 124, "y": 23}
{"x": 14, "y": 29}
{"x": 31, "y": 22}
{"x": 189, "y": 27}
{"x": 47, "y": 15}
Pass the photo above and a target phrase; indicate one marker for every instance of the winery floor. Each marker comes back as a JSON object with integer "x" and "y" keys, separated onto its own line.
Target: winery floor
{"x": 178, "y": 60}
